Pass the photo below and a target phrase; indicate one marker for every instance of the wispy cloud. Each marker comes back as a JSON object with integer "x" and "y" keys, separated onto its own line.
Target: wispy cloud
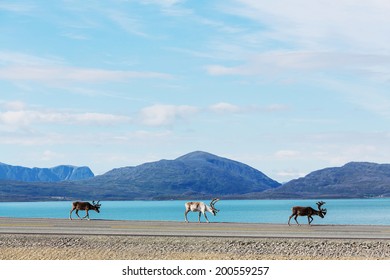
{"x": 15, "y": 7}
{"x": 282, "y": 62}
{"x": 224, "y": 107}
{"x": 369, "y": 96}
{"x": 228, "y": 108}
{"x": 170, "y": 7}
{"x": 288, "y": 174}
{"x": 17, "y": 114}
{"x": 359, "y": 25}
{"x": 287, "y": 154}
{"x": 164, "y": 3}
{"x": 68, "y": 74}
{"x": 131, "y": 25}
{"x": 22, "y": 67}
{"x": 291, "y": 42}
{"x": 166, "y": 114}
{"x": 162, "y": 115}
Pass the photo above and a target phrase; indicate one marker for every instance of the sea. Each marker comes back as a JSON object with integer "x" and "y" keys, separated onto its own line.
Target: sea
{"x": 339, "y": 211}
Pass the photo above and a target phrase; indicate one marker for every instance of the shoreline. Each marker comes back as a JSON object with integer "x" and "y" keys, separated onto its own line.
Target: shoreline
{"x": 171, "y": 228}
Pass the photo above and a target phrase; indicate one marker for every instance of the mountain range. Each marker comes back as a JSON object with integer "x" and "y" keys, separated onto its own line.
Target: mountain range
{"x": 197, "y": 175}
{"x": 353, "y": 180}
{"x": 54, "y": 174}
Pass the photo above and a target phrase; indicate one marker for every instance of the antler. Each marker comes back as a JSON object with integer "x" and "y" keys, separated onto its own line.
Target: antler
{"x": 320, "y": 203}
{"x": 97, "y": 203}
{"x": 212, "y": 203}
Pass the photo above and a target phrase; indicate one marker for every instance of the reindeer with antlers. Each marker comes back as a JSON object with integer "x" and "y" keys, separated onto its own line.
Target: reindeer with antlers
{"x": 86, "y": 206}
{"x": 202, "y": 208}
{"x": 307, "y": 211}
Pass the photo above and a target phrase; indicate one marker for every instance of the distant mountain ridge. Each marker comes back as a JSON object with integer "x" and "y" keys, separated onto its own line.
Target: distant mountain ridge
{"x": 194, "y": 174}
{"x": 54, "y": 174}
{"x": 200, "y": 175}
{"x": 352, "y": 180}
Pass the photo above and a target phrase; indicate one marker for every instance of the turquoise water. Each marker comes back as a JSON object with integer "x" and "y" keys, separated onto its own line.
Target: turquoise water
{"x": 340, "y": 211}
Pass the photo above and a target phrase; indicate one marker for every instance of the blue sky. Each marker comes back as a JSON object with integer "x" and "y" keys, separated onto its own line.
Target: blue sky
{"x": 286, "y": 87}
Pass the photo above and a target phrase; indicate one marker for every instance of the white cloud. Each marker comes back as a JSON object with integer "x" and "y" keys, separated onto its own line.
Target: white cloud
{"x": 97, "y": 118}
{"x": 287, "y": 154}
{"x": 224, "y": 107}
{"x": 15, "y": 7}
{"x": 305, "y": 39}
{"x": 228, "y": 108}
{"x": 73, "y": 74}
{"x": 15, "y": 114}
{"x": 22, "y": 59}
{"x": 278, "y": 63}
{"x": 358, "y": 25}
{"x": 48, "y": 155}
{"x": 287, "y": 175}
{"x": 18, "y": 116}
{"x": 165, "y": 3}
{"x": 22, "y": 67}
{"x": 219, "y": 70}
{"x": 131, "y": 25}
{"x": 367, "y": 96}
{"x": 160, "y": 115}
{"x": 13, "y": 105}
{"x": 170, "y": 7}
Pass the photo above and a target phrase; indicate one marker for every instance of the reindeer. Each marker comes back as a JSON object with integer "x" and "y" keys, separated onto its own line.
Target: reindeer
{"x": 81, "y": 205}
{"x": 202, "y": 208}
{"x": 307, "y": 211}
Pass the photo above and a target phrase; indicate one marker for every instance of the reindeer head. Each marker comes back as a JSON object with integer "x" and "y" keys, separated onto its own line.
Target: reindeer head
{"x": 215, "y": 210}
{"x": 96, "y": 205}
{"x": 323, "y": 211}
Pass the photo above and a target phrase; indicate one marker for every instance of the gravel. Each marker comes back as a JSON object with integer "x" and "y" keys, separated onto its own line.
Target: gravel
{"x": 103, "y": 247}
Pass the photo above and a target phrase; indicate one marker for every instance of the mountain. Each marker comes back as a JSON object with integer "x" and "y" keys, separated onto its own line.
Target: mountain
{"x": 353, "y": 180}
{"x": 197, "y": 174}
{"x": 54, "y": 174}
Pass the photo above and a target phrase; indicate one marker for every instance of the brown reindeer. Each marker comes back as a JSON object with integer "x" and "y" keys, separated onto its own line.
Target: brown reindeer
{"x": 86, "y": 206}
{"x": 307, "y": 211}
{"x": 202, "y": 208}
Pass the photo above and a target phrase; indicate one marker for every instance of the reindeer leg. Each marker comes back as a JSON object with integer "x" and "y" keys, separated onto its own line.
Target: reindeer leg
{"x": 77, "y": 213}
{"x": 310, "y": 219}
{"x": 200, "y": 213}
{"x": 185, "y": 216}
{"x": 206, "y": 217}
{"x": 87, "y": 215}
{"x": 290, "y": 219}
{"x": 70, "y": 214}
{"x": 295, "y": 218}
